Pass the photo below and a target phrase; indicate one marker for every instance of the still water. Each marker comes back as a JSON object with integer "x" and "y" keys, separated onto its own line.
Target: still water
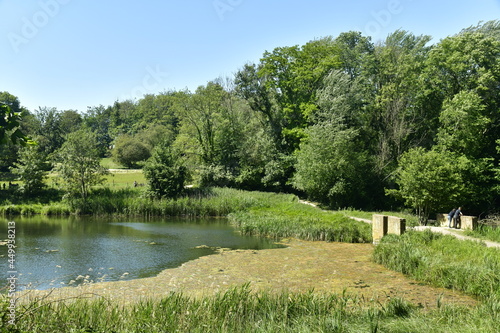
{"x": 60, "y": 252}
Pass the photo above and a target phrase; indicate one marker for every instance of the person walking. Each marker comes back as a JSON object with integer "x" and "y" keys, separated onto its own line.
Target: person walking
{"x": 456, "y": 218}
{"x": 451, "y": 216}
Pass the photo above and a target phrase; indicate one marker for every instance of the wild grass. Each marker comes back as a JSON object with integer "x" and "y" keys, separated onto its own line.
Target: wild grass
{"x": 443, "y": 261}
{"x": 411, "y": 219}
{"x": 284, "y": 216}
{"x": 125, "y": 179}
{"x": 242, "y": 310}
{"x": 214, "y": 202}
{"x": 253, "y": 213}
{"x": 486, "y": 232}
{"x": 108, "y": 163}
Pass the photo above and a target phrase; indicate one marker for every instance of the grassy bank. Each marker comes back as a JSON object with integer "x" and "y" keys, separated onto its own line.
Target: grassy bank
{"x": 411, "y": 219}
{"x": 133, "y": 202}
{"x": 240, "y": 310}
{"x": 485, "y": 232}
{"x": 289, "y": 218}
{"x": 254, "y": 213}
{"x": 443, "y": 261}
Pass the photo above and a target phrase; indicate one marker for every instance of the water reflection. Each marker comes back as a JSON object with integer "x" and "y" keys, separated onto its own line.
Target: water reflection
{"x": 54, "y": 252}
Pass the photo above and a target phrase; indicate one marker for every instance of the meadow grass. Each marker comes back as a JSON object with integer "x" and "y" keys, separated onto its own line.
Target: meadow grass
{"x": 108, "y": 163}
{"x": 123, "y": 179}
{"x": 241, "y": 310}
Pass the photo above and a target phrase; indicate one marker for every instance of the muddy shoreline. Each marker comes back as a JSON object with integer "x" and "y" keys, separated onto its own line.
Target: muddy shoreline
{"x": 301, "y": 266}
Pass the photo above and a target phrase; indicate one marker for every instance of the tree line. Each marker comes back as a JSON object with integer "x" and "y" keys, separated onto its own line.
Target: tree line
{"x": 343, "y": 120}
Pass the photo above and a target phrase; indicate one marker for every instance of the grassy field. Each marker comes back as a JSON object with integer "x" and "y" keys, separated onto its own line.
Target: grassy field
{"x": 124, "y": 178}
{"x": 108, "y": 163}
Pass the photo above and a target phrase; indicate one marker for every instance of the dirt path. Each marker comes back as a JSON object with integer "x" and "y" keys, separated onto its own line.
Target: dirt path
{"x": 300, "y": 267}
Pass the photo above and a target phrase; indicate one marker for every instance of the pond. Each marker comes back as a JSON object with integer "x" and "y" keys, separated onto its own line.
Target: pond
{"x": 56, "y": 252}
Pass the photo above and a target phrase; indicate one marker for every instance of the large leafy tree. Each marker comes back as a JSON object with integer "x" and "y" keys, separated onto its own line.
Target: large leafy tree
{"x": 10, "y": 123}
{"x": 48, "y": 129}
{"x": 397, "y": 116}
{"x": 329, "y": 165}
{"x": 431, "y": 181}
{"x": 165, "y": 172}
{"x": 463, "y": 124}
{"x": 211, "y": 132}
{"x": 463, "y": 72}
{"x": 31, "y": 169}
{"x": 292, "y": 76}
{"x": 79, "y": 163}
{"x": 332, "y": 156}
{"x": 98, "y": 120}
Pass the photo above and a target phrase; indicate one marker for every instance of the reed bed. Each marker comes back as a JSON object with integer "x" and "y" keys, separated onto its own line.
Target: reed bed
{"x": 485, "y": 232}
{"x": 288, "y": 218}
{"x": 242, "y": 310}
{"x": 443, "y": 261}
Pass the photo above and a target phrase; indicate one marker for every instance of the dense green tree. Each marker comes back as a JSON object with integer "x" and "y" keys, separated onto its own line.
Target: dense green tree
{"x": 48, "y": 129}
{"x": 8, "y": 155}
{"x": 469, "y": 64}
{"x": 200, "y": 115}
{"x": 165, "y": 172}
{"x": 129, "y": 151}
{"x": 329, "y": 165}
{"x": 12, "y": 131}
{"x": 354, "y": 51}
{"x": 10, "y": 126}
{"x": 79, "y": 163}
{"x": 70, "y": 121}
{"x": 432, "y": 181}
{"x": 398, "y": 118}
{"x": 293, "y": 75}
{"x": 98, "y": 119}
{"x": 31, "y": 169}
{"x": 118, "y": 119}
{"x": 155, "y": 134}
{"x": 158, "y": 109}
{"x": 211, "y": 132}
{"x": 463, "y": 124}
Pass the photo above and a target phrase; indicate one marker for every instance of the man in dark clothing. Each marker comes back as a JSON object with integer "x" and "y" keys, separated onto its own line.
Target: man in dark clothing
{"x": 451, "y": 216}
{"x": 456, "y": 219}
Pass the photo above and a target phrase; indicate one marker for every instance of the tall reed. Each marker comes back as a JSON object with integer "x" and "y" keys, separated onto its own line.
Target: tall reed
{"x": 289, "y": 218}
{"x": 242, "y": 310}
{"x": 443, "y": 261}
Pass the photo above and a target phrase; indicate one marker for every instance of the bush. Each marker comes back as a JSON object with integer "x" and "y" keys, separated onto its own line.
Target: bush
{"x": 165, "y": 173}
{"x": 129, "y": 151}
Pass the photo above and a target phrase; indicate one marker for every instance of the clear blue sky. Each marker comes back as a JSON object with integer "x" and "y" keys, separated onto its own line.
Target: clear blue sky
{"x": 71, "y": 54}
